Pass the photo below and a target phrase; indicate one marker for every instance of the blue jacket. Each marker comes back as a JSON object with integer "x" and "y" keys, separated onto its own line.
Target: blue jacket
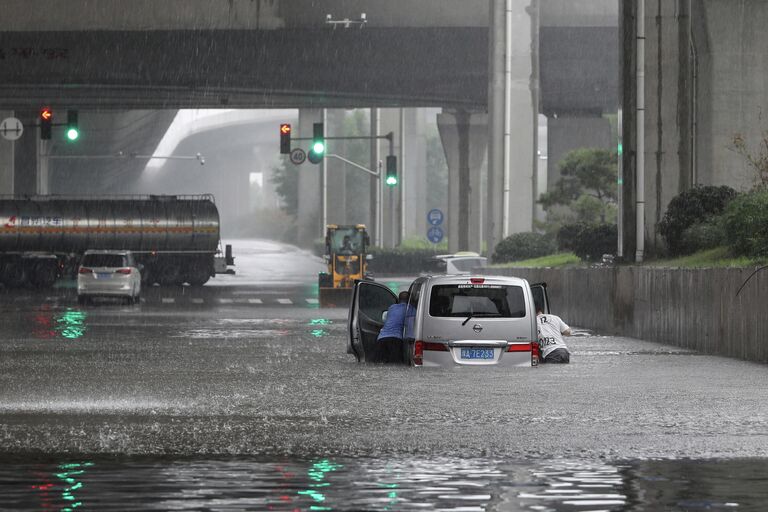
{"x": 393, "y": 325}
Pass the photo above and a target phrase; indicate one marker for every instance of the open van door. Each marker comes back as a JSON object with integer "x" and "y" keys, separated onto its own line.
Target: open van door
{"x": 366, "y": 317}
{"x": 540, "y": 297}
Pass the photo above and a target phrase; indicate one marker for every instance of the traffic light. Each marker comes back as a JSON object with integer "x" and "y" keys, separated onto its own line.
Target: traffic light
{"x": 285, "y": 139}
{"x": 391, "y": 171}
{"x": 73, "y": 130}
{"x": 317, "y": 149}
{"x": 46, "y": 121}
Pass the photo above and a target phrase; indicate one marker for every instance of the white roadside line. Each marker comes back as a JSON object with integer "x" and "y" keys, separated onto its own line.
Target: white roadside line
{"x": 168, "y": 300}
{"x": 285, "y": 301}
{"x": 312, "y": 301}
{"x": 254, "y": 301}
{"x": 226, "y": 301}
{"x": 197, "y": 300}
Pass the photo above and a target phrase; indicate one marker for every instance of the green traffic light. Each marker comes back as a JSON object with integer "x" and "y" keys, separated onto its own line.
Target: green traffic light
{"x": 318, "y": 148}
{"x": 391, "y": 181}
{"x": 73, "y": 134}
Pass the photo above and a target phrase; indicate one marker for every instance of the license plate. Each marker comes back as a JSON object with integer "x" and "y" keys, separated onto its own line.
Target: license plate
{"x": 476, "y": 353}
{"x": 104, "y": 275}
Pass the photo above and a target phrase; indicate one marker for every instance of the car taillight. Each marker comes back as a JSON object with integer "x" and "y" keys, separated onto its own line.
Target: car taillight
{"x": 535, "y": 354}
{"x": 520, "y": 347}
{"x": 438, "y": 347}
{"x": 418, "y": 353}
{"x": 477, "y": 280}
{"x": 123, "y": 271}
{"x": 85, "y": 270}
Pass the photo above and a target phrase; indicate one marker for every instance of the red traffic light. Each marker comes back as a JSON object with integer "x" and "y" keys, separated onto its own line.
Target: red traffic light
{"x": 285, "y": 138}
{"x": 46, "y": 121}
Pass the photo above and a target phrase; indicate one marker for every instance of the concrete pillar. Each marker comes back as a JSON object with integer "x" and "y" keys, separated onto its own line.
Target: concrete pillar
{"x": 390, "y": 122}
{"x": 414, "y": 172}
{"x": 374, "y": 229}
{"x": 6, "y": 156}
{"x": 336, "y": 171}
{"x": 465, "y": 136}
{"x": 309, "y": 218}
{"x": 26, "y": 163}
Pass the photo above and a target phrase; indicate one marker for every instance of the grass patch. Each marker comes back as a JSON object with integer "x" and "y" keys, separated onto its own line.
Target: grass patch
{"x": 561, "y": 259}
{"x": 717, "y": 257}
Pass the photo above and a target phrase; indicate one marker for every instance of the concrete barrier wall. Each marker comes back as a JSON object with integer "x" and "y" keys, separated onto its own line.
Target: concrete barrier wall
{"x": 691, "y": 308}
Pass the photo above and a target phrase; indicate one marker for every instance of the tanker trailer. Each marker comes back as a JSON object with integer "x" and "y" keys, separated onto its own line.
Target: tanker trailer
{"x": 174, "y": 238}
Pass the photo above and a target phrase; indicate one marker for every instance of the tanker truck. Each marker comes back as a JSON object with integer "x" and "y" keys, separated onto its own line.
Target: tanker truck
{"x": 174, "y": 238}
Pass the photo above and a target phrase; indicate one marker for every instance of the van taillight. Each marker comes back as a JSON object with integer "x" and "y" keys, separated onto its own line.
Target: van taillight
{"x": 535, "y": 354}
{"x": 477, "y": 280}
{"x": 85, "y": 270}
{"x": 123, "y": 271}
{"x": 437, "y": 347}
{"x": 418, "y": 353}
{"x": 521, "y": 347}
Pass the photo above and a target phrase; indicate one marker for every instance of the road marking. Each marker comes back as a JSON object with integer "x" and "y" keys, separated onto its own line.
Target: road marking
{"x": 285, "y": 301}
{"x": 226, "y": 301}
{"x": 197, "y": 301}
{"x": 168, "y": 300}
{"x": 254, "y": 301}
{"x": 312, "y": 301}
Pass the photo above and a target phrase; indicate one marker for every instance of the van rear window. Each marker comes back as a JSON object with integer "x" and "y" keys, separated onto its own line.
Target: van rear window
{"x": 489, "y": 300}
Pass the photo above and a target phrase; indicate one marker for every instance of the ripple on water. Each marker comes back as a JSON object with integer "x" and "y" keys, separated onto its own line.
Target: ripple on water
{"x": 381, "y": 484}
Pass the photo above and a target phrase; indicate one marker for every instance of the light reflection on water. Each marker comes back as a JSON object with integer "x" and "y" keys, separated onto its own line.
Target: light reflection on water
{"x": 375, "y": 484}
{"x": 68, "y": 324}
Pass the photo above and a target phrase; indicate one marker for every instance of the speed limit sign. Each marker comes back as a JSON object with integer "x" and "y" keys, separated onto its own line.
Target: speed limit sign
{"x": 298, "y": 156}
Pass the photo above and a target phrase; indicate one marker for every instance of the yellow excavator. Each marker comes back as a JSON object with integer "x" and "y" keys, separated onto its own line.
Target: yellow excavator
{"x": 346, "y": 253}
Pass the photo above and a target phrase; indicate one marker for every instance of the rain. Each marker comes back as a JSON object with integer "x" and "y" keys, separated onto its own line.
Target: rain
{"x": 205, "y": 207}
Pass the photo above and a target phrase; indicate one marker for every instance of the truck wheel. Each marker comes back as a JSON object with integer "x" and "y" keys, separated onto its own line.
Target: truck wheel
{"x": 44, "y": 274}
{"x": 169, "y": 275}
{"x": 199, "y": 279}
{"x": 197, "y": 275}
{"x": 14, "y": 275}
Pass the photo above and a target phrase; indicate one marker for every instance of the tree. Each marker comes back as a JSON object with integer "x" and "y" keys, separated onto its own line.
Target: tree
{"x": 587, "y": 187}
{"x": 286, "y": 181}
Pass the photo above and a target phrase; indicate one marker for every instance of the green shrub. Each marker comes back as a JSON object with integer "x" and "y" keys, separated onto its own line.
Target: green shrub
{"x": 745, "y": 222}
{"x": 523, "y": 246}
{"x": 691, "y": 207}
{"x": 591, "y": 241}
{"x": 568, "y": 235}
{"x": 704, "y": 235}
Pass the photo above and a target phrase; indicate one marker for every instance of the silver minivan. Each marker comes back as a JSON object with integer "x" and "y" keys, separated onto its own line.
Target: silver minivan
{"x": 454, "y": 320}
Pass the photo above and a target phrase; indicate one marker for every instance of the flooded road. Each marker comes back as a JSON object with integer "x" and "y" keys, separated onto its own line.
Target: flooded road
{"x": 198, "y": 397}
{"x": 383, "y": 484}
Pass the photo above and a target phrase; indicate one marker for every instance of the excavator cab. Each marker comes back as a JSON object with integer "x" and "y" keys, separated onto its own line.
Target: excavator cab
{"x": 346, "y": 252}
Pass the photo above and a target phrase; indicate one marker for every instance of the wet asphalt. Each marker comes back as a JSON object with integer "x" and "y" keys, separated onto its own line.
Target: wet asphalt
{"x": 253, "y": 366}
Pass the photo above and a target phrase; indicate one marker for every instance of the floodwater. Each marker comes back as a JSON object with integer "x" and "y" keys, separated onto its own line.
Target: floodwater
{"x": 383, "y": 484}
{"x": 240, "y": 396}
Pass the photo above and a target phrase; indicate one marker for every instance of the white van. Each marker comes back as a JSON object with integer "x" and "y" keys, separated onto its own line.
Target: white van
{"x": 458, "y": 263}
{"x": 454, "y": 320}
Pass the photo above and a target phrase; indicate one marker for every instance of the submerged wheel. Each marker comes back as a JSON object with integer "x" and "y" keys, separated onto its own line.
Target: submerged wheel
{"x": 198, "y": 274}
{"x": 169, "y": 274}
{"x": 14, "y": 275}
{"x": 44, "y": 274}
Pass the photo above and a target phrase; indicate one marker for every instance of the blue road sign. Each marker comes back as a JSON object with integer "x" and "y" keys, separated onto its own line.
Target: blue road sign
{"x": 435, "y": 234}
{"x": 435, "y": 217}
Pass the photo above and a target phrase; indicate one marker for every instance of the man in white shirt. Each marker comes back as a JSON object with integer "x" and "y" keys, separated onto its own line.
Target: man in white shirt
{"x": 551, "y": 345}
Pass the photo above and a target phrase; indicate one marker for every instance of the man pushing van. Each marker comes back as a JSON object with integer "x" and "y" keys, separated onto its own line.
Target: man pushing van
{"x": 551, "y": 330}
